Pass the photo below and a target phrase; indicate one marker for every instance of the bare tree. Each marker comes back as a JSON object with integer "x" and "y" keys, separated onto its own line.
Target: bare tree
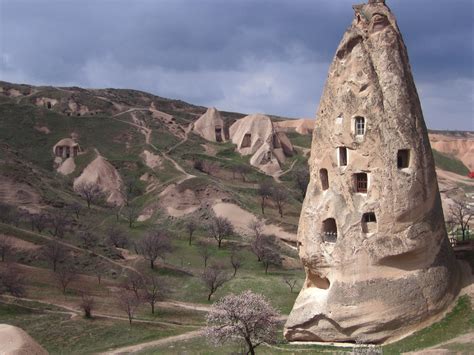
{"x": 290, "y": 282}
{"x": 6, "y": 246}
{"x": 12, "y": 282}
{"x": 235, "y": 261}
{"x": 243, "y": 170}
{"x": 131, "y": 214}
{"x": 54, "y": 253}
{"x": 64, "y": 276}
{"x": 134, "y": 282}
{"x": 264, "y": 191}
{"x": 59, "y": 222}
{"x": 75, "y": 208}
{"x": 6, "y": 212}
{"x": 256, "y": 227}
{"x": 270, "y": 257}
{"x": 128, "y": 303}
{"x": 259, "y": 244}
{"x": 117, "y": 237}
{"x": 131, "y": 189}
{"x": 155, "y": 244}
{"x": 210, "y": 167}
{"x": 90, "y": 192}
{"x": 39, "y": 221}
{"x": 88, "y": 239}
{"x": 247, "y": 317}
{"x": 279, "y": 196}
{"x": 461, "y": 214}
{"x": 191, "y": 226}
{"x": 214, "y": 277}
{"x": 302, "y": 179}
{"x": 153, "y": 288}
{"x": 87, "y": 305}
{"x": 220, "y": 228}
{"x": 205, "y": 252}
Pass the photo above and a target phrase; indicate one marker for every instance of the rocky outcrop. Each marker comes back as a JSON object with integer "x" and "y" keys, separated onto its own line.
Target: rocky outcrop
{"x": 460, "y": 146}
{"x": 210, "y": 126}
{"x": 15, "y": 341}
{"x": 255, "y": 135}
{"x": 301, "y": 126}
{"x": 371, "y": 235}
{"x": 103, "y": 174}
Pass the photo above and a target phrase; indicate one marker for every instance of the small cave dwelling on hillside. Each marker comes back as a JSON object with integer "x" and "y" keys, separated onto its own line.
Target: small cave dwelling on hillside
{"x": 256, "y": 135}
{"x": 66, "y": 148}
{"x": 211, "y": 126}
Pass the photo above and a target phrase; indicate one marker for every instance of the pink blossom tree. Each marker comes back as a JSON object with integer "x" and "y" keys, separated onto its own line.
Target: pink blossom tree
{"x": 247, "y": 317}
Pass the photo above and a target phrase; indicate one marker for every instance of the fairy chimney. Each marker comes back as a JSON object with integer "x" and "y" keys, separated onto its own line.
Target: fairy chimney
{"x": 210, "y": 126}
{"x": 371, "y": 235}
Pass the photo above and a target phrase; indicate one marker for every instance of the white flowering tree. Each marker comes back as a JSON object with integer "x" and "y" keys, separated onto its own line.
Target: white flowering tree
{"x": 247, "y": 317}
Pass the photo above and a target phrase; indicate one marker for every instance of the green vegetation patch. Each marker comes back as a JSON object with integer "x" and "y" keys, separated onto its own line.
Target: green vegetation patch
{"x": 450, "y": 163}
{"x": 459, "y": 321}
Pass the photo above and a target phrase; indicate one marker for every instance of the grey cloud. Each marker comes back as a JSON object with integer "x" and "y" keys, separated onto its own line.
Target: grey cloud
{"x": 242, "y": 55}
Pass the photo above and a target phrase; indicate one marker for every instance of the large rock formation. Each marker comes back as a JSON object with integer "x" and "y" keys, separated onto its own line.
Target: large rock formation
{"x": 255, "y": 135}
{"x": 210, "y": 126}
{"x": 371, "y": 234}
{"x": 103, "y": 174}
{"x": 15, "y": 341}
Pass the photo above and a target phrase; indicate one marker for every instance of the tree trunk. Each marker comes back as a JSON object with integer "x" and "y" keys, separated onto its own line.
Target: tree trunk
{"x": 263, "y": 205}
{"x": 209, "y": 297}
{"x": 280, "y": 210}
{"x": 235, "y": 272}
{"x": 219, "y": 241}
{"x": 152, "y": 264}
{"x": 251, "y": 347}
{"x": 152, "y": 307}
{"x": 190, "y": 237}
{"x": 266, "y": 268}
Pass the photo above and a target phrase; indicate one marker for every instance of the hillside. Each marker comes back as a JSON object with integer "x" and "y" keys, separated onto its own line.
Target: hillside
{"x": 142, "y": 147}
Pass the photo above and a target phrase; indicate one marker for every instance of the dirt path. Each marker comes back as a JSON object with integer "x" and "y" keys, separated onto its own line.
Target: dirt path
{"x": 74, "y": 247}
{"x": 186, "y": 136}
{"x": 277, "y": 176}
{"x": 159, "y": 342}
{"x": 240, "y": 219}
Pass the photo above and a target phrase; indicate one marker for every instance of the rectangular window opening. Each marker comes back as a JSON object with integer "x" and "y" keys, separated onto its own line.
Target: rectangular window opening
{"x": 361, "y": 182}
{"x": 403, "y": 158}
{"x": 342, "y": 156}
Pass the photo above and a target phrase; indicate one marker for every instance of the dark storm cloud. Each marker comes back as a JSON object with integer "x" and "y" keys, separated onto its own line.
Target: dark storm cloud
{"x": 242, "y": 55}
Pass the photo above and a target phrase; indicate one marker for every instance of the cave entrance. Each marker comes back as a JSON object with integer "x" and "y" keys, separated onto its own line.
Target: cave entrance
{"x": 403, "y": 158}
{"x": 218, "y": 134}
{"x": 246, "y": 141}
{"x": 323, "y": 176}
{"x": 330, "y": 230}
{"x": 342, "y": 156}
{"x": 369, "y": 222}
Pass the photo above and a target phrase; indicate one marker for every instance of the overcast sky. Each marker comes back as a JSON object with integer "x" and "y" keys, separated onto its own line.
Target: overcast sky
{"x": 248, "y": 56}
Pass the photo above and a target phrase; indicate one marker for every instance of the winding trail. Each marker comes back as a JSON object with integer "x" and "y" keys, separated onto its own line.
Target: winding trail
{"x": 153, "y": 343}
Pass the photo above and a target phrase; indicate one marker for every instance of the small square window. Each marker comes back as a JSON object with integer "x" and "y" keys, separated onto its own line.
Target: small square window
{"x": 403, "y": 158}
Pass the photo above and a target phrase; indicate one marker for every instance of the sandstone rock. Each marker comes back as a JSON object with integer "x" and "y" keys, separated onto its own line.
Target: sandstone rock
{"x": 16, "y": 341}
{"x": 371, "y": 234}
{"x": 210, "y": 126}
{"x": 255, "y": 135}
{"x": 104, "y": 174}
{"x": 301, "y": 126}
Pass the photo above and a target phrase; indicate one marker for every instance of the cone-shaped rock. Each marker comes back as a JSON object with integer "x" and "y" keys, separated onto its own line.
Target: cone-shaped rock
{"x": 371, "y": 234}
{"x": 210, "y": 126}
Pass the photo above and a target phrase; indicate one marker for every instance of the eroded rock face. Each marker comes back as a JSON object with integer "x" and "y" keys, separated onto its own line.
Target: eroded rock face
{"x": 371, "y": 234}
{"x": 255, "y": 135}
{"x": 210, "y": 126}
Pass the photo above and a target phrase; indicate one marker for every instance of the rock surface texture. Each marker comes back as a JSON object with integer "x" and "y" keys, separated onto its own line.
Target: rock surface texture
{"x": 255, "y": 135}
{"x": 210, "y": 126}
{"x": 371, "y": 234}
{"x": 15, "y": 341}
